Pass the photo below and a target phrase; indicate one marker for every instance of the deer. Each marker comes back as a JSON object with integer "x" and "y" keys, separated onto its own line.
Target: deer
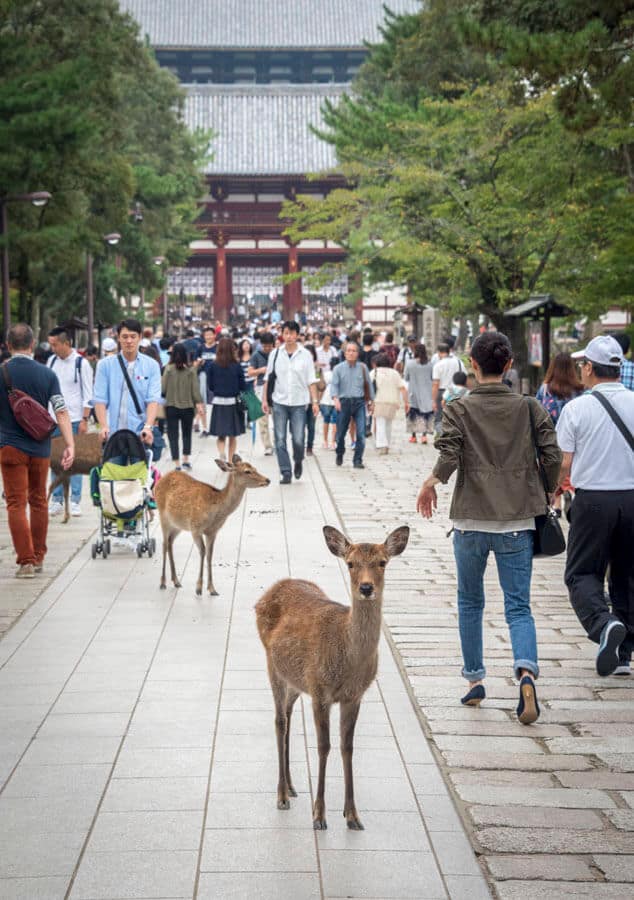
{"x": 186, "y": 504}
{"x": 88, "y": 451}
{"x": 322, "y": 648}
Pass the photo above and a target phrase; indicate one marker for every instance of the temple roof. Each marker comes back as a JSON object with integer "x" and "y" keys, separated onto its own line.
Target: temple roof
{"x": 262, "y": 129}
{"x": 262, "y": 24}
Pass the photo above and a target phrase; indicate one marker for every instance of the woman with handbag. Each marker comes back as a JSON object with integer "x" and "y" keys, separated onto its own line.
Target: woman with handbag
{"x": 492, "y": 437}
{"x": 225, "y": 379}
{"x": 181, "y": 390}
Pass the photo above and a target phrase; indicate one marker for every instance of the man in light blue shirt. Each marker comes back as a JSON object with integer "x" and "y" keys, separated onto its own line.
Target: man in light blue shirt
{"x": 349, "y": 388}
{"x": 115, "y": 408}
{"x": 596, "y": 433}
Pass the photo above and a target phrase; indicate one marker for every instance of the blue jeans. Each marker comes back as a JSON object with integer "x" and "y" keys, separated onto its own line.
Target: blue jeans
{"x": 514, "y": 559}
{"x": 295, "y": 417}
{"x": 351, "y": 408}
{"x": 75, "y": 481}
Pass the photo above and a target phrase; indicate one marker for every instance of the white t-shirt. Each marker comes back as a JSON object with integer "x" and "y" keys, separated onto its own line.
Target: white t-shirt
{"x": 603, "y": 460}
{"x": 293, "y": 375}
{"x": 324, "y": 357}
{"x": 444, "y": 371}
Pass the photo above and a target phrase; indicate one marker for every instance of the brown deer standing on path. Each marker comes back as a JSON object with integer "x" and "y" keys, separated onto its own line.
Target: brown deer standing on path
{"x": 318, "y": 647}
{"x": 185, "y": 504}
{"x": 88, "y": 451}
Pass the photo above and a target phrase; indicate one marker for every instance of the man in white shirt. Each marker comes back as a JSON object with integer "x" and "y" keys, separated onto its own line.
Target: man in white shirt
{"x": 599, "y": 460}
{"x": 295, "y": 386}
{"x": 75, "y": 377}
{"x": 442, "y": 379}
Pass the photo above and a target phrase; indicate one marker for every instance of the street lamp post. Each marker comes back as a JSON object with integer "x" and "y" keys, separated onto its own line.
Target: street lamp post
{"x": 37, "y": 198}
{"x": 158, "y": 261}
{"x": 112, "y": 240}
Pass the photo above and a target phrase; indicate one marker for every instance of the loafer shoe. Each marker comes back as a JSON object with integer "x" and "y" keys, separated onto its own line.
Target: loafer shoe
{"x": 528, "y": 707}
{"x": 297, "y": 470}
{"x": 475, "y": 696}
{"x": 612, "y": 637}
{"x": 339, "y": 460}
{"x": 358, "y": 465}
{"x": 285, "y": 479}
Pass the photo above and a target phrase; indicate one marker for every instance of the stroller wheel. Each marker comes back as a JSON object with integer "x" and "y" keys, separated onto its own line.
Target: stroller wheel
{"x": 93, "y": 551}
{"x": 104, "y": 551}
{"x": 139, "y": 550}
{"x": 107, "y": 545}
{"x": 150, "y": 550}
{"x": 153, "y": 545}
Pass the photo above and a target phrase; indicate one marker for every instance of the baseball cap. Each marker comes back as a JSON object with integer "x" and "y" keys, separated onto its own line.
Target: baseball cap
{"x": 412, "y": 339}
{"x": 603, "y": 350}
{"x": 108, "y": 345}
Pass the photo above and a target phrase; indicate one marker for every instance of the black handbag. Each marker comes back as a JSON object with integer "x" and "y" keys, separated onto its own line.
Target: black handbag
{"x": 548, "y": 538}
{"x": 270, "y": 383}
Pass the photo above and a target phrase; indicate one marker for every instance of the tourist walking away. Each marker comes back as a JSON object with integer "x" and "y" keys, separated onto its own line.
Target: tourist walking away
{"x": 351, "y": 389}
{"x": 206, "y": 353}
{"x": 24, "y": 459}
{"x": 406, "y": 354}
{"x": 596, "y": 433}
{"x": 181, "y": 390}
{"x": 442, "y": 375}
{"x": 487, "y": 436}
{"x": 417, "y": 377}
{"x": 389, "y": 348}
{"x": 388, "y": 385}
{"x": 627, "y": 366}
{"x": 561, "y": 385}
{"x": 458, "y": 388}
{"x": 291, "y": 372}
{"x": 225, "y": 379}
{"x": 75, "y": 376}
{"x": 257, "y": 370}
{"x": 127, "y": 388}
{"x": 311, "y": 418}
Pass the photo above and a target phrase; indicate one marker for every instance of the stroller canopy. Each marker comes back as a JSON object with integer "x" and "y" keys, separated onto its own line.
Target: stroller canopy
{"x": 126, "y": 447}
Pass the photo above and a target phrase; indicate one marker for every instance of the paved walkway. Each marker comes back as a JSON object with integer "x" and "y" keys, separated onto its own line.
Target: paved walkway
{"x": 137, "y": 750}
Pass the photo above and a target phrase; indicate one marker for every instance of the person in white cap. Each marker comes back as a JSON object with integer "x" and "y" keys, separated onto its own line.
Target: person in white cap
{"x": 596, "y": 434}
{"x": 108, "y": 346}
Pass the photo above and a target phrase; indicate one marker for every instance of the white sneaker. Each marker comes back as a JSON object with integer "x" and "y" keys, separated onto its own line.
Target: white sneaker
{"x": 268, "y": 451}
{"x": 75, "y": 509}
{"x": 55, "y": 508}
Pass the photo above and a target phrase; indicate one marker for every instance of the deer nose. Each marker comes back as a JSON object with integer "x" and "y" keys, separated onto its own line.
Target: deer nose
{"x": 366, "y": 588}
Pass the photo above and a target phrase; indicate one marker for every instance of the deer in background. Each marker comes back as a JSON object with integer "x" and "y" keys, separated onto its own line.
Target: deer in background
{"x": 185, "y": 504}
{"x": 330, "y": 651}
{"x": 88, "y": 452}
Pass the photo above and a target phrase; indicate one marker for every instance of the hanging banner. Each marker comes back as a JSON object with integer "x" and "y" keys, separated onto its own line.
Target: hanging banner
{"x": 535, "y": 349}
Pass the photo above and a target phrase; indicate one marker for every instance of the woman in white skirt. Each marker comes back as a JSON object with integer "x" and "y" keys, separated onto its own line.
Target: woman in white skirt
{"x": 388, "y": 385}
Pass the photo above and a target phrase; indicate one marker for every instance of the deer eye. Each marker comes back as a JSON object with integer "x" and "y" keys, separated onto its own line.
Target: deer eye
{"x": 351, "y": 565}
{"x": 382, "y": 564}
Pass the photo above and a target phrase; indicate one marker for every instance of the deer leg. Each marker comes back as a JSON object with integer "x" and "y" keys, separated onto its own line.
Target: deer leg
{"x": 165, "y": 543}
{"x": 210, "y": 580}
{"x": 56, "y": 481}
{"x": 291, "y": 697}
{"x": 321, "y": 714}
{"x": 171, "y": 537}
{"x": 66, "y": 501}
{"x": 348, "y": 714}
{"x": 281, "y": 727}
{"x": 200, "y": 543}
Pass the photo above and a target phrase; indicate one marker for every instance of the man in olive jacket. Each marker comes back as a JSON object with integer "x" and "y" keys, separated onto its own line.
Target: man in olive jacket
{"x": 486, "y": 436}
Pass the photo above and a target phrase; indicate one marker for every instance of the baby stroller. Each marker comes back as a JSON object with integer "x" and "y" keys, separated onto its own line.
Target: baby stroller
{"x": 120, "y": 488}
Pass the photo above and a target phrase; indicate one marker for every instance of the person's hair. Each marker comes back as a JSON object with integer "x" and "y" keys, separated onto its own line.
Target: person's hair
{"x": 189, "y": 333}
{"x": 61, "y": 333}
{"x": 602, "y": 371}
{"x": 209, "y": 328}
{"x": 241, "y": 347}
{"x": 442, "y": 348}
{"x": 561, "y": 377}
{"x": 20, "y": 336}
{"x": 152, "y": 352}
{"x": 460, "y": 378}
{"x": 420, "y": 353}
{"x": 311, "y": 350}
{"x": 491, "y": 350}
{"x": 352, "y": 344}
{"x": 389, "y": 338}
{"x": 226, "y": 353}
{"x": 166, "y": 342}
{"x": 148, "y": 332}
{"x": 291, "y": 325}
{"x": 179, "y": 357}
{"x": 91, "y": 350}
{"x": 130, "y": 325}
{"x": 368, "y": 339}
{"x": 450, "y": 341}
{"x": 623, "y": 340}
{"x": 381, "y": 360}
{"x": 267, "y": 338}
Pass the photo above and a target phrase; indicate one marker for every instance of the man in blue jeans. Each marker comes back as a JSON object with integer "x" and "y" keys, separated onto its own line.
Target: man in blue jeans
{"x": 295, "y": 386}
{"x": 350, "y": 389}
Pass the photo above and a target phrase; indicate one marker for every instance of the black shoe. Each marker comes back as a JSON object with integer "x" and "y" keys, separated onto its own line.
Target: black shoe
{"x": 339, "y": 459}
{"x": 475, "y": 696}
{"x": 309, "y": 451}
{"x": 612, "y": 637}
{"x": 358, "y": 465}
{"x": 285, "y": 479}
{"x": 297, "y": 470}
{"x": 528, "y": 707}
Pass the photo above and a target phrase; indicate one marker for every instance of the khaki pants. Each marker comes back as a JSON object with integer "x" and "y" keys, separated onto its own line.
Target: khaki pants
{"x": 263, "y": 423}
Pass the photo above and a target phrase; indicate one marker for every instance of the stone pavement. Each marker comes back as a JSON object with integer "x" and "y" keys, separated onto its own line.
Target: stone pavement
{"x": 137, "y": 749}
{"x": 550, "y": 807}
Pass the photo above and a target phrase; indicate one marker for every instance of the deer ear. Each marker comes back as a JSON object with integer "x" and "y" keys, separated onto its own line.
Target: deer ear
{"x": 396, "y": 542}
{"x": 236, "y": 459}
{"x": 224, "y": 465}
{"x": 336, "y": 542}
